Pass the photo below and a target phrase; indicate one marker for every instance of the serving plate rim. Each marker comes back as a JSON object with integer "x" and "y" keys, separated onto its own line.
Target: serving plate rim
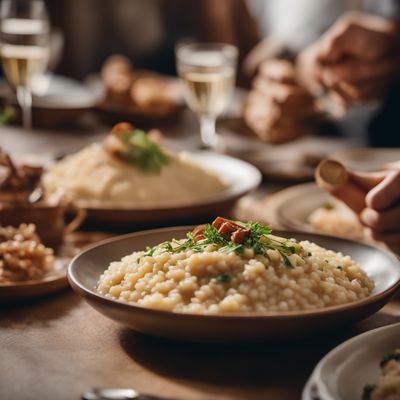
{"x": 230, "y": 193}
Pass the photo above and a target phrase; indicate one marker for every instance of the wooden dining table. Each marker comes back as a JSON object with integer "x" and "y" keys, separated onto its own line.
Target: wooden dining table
{"x": 58, "y": 347}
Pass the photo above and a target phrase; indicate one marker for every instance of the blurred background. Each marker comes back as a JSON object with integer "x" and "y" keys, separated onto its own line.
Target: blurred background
{"x": 310, "y": 66}
{"x": 146, "y": 32}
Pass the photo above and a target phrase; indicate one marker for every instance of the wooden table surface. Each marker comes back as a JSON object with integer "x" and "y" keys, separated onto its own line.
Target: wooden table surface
{"x": 59, "y": 347}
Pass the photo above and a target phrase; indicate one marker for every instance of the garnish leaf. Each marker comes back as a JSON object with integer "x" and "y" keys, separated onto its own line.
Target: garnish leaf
{"x": 142, "y": 151}
{"x": 7, "y": 115}
{"x": 259, "y": 241}
{"x": 395, "y": 355}
{"x": 223, "y": 278}
{"x": 367, "y": 392}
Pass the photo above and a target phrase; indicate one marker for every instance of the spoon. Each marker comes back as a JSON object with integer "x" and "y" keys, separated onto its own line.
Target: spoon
{"x": 36, "y": 195}
{"x": 118, "y": 394}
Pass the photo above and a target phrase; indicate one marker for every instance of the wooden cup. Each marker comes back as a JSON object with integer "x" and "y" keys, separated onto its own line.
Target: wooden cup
{"x": 50, "y": 220}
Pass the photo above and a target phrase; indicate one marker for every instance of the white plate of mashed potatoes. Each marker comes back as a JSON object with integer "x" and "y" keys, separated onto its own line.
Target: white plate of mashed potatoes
{"x": 366, "y": 367}
{"x": 134, "y": 180}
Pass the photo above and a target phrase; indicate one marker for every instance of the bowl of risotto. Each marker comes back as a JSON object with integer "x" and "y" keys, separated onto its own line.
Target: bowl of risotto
{"x": 232, "y": 280}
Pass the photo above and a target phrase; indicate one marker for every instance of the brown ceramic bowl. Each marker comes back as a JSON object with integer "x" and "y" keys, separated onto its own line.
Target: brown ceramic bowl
{"x": 56, "y": 279}
{"x": 85, "y": 270}
{"x": 50, "y": 220}
{"x": 51, "y": 283}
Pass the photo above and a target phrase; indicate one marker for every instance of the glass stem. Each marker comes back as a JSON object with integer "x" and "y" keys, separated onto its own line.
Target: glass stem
{"x": 24, "y": 97}
{"x": 207, "y": 130}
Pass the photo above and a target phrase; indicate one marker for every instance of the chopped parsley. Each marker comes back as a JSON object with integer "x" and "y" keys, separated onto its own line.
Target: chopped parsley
{"x": 367, "y": 392}
{"x": 369, "y": 389}
{"x": 395, "y": 355}
{"x": 328, "y": 206}
{"x": 7, "y": 115}
{"x": 259, "y": 240}
{"x": 223, "y": 278}
{"x": 142, "y": 151}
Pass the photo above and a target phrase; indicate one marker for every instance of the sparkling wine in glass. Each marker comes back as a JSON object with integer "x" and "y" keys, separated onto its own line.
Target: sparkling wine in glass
{"x": 24, "y": 48}
{"x": 208, "y": 73}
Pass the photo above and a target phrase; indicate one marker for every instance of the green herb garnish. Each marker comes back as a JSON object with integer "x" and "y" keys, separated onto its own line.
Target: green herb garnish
{"x": 395, "y": 355}
{"x": 149, "y": 251}
{"x": 367, "y": 392}
{"x": 223, "y": 278}
{"x": 7, "y": 115}
{"x": 328, "y": 206}
{"x": 142, "y": 151}
{"x": 259, "y": 240}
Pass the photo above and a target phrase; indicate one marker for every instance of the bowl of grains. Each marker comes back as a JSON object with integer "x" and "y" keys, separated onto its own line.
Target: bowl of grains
{"x": 233, "y": 280}
{"x": 27, "y": 267}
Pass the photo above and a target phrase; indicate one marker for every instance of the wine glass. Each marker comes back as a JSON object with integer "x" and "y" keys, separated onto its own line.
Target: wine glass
{"x": 207, "y": 72}
{"x": 24, "y": 48}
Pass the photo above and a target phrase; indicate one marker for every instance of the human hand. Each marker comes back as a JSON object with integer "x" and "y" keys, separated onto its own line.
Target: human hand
{"x": 382, "y": 212}
{"x": 375, "y": 197}
{"x": 277, "y": 108}
{"x": 354, "y": 61}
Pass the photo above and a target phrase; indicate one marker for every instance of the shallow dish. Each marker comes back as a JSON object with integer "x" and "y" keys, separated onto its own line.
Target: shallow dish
{"x": 63, "y": 101}
{"x": 294, "y": 205}
{"x": 367, "y": 159}
{"x": 240, "y": 176}
{"x": 57, "y": 279}
{"x": 292, "y": 161}
{"x": 85, "y": 270}
{"x": 343, "y": 372}
{"x": 51, "y": 283}
{"x": 114, "y": 112}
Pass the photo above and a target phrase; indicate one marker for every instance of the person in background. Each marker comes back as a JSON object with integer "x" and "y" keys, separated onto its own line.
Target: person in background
{"x": 349, "y": 58}
{"x": 146, "y": 31}
{"x": 352, "y": 58}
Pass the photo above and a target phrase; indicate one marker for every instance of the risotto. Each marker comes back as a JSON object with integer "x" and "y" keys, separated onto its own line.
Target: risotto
{"x": 230, "y": 267}
{"x": 388, "y": 385}
{"x": 337, "y": 219}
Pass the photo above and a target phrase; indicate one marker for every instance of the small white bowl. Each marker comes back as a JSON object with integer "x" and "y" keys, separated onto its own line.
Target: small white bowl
{"x": 343, "y": 372}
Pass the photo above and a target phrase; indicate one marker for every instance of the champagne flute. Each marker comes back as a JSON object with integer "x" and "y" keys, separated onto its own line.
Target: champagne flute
{"x": 207, "y": 72}
{"x": 24, "y": 48}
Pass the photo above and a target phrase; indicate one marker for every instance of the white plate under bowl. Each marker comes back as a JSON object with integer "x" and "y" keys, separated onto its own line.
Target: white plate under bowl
{"x": 343, "y": 372}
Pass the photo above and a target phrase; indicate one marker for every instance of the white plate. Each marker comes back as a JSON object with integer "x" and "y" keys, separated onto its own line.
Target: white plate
{"x": 294, "y": 160}
{"x": 57, "y": 92}
{"x": 343, "y": 372}
{"x": 366, "y": 159}
{"x": 298, "y": 202}
{"x": 240, "y": 176}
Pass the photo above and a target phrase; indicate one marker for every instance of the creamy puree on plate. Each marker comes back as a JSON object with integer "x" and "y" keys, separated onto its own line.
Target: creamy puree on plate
{"x": 93, "y": 174}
